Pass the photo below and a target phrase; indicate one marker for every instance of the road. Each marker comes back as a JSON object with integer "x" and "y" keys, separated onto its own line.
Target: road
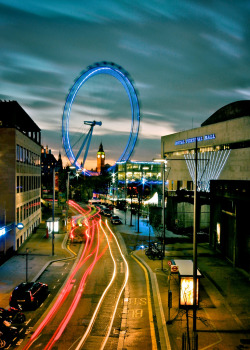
{"x": 103, "y": 289}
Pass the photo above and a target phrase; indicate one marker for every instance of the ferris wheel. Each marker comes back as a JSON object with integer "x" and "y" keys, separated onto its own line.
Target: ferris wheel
{"x": 108, "y": 68}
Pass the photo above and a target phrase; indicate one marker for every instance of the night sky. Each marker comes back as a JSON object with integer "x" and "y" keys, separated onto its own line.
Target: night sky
{"x": 187, "y": 59}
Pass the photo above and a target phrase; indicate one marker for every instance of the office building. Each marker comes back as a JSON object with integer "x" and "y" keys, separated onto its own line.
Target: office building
{"x": 20, "y": 173}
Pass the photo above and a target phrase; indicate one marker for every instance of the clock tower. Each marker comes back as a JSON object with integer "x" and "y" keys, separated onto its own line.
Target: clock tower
{"x": 100, "y": 159}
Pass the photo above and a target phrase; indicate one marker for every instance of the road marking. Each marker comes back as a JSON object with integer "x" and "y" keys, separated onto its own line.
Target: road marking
{"x": 150, "y": 311}
{"x": 136, "y": 313}
{"x": 27, "y": 322}
{"x": 137, "y": 301}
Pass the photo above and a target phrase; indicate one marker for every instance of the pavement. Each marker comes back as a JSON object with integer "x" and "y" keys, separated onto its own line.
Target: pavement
{"x": 223, "y": 316}
{"x": 31, "y": 260}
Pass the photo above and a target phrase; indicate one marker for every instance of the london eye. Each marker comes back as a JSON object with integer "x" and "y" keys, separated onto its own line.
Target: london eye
{"x": 123, "y": 77}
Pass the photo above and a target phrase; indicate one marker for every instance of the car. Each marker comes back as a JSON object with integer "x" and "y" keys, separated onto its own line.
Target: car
{"x": 12, "y": 315}
{"x": 8, "y": 334}
{"x": 29, "y": 295}
{"x": 115, "y": 219}
{"x": 102, "y": 208}
{"x": 107, "y": 212}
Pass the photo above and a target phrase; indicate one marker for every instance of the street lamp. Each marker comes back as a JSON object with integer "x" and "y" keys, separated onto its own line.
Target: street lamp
{"x": 67, "y": 205}
{"x": 53, "y": 213}
{"x": 113, "y": 186}
{"x": 163, "y": 163}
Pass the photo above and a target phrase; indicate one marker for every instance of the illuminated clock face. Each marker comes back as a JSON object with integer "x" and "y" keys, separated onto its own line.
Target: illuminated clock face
{"x": 102, "y": 155}
{"x": 98, "y": 156}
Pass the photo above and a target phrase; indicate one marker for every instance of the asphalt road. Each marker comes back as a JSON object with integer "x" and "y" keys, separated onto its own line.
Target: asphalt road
{"x": 90, "y": 298}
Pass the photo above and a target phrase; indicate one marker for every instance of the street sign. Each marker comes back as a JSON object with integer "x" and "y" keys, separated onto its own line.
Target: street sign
{"x": 174, "y": 268}
{"x": 20, "y": 225}
{"x": 169, "y": 263}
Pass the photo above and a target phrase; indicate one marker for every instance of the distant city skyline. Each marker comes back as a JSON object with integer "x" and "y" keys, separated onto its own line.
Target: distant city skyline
{"x": 187, "y": 59}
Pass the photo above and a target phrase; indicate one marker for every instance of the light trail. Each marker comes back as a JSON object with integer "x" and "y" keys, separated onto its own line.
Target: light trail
{"x": 75, "y": 302}
{"x": 62, "y": 297}
{"x": 121, "y": 291}
{"x": 92, "y": 321}
{"x": 86, "y": 254}
{"x": 59, "y": 301}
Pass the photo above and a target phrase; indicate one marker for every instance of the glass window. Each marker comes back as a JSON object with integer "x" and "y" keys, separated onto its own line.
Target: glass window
{"x": 21, "y": 184}
{"x": 17, "y": 215}
{"x": 21, "y": 154}
{"x": 17, "y": 153}
{"x": 17, "y": 184}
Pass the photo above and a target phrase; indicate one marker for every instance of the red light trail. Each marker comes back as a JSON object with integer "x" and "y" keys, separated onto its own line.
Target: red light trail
{"x": 92, "y": 224}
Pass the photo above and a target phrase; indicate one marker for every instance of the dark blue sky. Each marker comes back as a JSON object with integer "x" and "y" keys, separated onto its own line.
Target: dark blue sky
{"x": 186, "y": 58}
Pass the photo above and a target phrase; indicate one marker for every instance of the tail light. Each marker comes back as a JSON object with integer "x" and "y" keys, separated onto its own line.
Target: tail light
{"x": 31, "y": 297}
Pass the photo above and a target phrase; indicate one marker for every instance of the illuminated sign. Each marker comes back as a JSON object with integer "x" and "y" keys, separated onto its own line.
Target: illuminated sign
{"x": 187, "y": 290}
{"x": 180, "y": 142}
{"x": 209, "y": 137}
{"x": 50, "y": 226}
{"x": 2, "y": 231}
{"x": 193, "y": 139}
{"x": 218, "y": 232}
{"x": 20, "y": 226}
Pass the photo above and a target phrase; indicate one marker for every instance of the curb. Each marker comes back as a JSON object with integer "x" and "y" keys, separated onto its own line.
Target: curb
{"x": 54, "y": 260}
{"x": 160, "y": 318}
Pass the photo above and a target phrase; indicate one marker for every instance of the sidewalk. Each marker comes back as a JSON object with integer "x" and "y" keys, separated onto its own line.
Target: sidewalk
{"x": 223, "y": 317}
{"x": 13, "y": 271}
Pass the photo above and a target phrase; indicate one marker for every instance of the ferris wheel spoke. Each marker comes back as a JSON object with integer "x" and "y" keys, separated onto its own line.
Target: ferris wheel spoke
{"x": 108, "y": 68}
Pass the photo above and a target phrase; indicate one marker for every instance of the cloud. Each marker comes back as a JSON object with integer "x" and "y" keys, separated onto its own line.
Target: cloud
{"x": 186, "y": 58}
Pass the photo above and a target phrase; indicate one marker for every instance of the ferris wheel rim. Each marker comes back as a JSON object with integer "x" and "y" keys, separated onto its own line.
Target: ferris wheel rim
{"x": 123, "y": 77}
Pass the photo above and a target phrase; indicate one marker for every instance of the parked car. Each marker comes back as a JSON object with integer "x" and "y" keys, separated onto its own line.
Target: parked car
{"x": 29, "y": 295}
{"x": 12, "y": 314}
{"x": 115, "y": 220}
{"x": 102, "y": 208}
{"x": 8, "y": 333}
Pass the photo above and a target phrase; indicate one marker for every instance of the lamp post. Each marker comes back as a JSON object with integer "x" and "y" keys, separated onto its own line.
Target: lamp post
{"x": 113, "y": 187}
{"x": 126, "y": 183}
{"x": 195, "y": 241}
{"x": 194, "y": 234}
{"x": 163, "y": 163}
{"x": 53, "y": 214}
{"x": 67, "y": 204}
{"x": 27, "y": 251}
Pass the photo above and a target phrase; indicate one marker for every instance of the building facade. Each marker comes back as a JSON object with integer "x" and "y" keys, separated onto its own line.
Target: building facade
{"x": 20, "y": 172}
{"x": 132, "y": 171}
{"x": 222, "y": 145}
